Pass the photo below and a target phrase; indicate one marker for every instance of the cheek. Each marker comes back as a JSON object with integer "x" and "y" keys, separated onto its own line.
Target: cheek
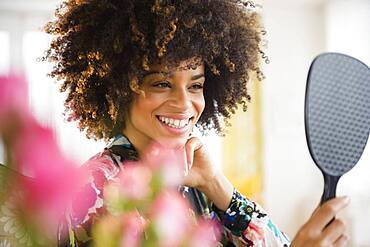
{"x": 147, "y": 103}
{"x": 200, "y": 104}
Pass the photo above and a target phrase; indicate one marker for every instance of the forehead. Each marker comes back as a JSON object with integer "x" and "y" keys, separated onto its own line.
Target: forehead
{"x": 190, "y": 65}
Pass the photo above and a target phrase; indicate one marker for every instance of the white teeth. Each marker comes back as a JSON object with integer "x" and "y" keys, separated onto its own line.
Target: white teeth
{"x": 182, "y": 122}
{"x": 174, "y": 123}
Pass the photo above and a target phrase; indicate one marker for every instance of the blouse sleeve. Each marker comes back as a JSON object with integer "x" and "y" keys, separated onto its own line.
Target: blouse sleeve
{"x": 88, "y": 204}
{"x": 246, "y": 224}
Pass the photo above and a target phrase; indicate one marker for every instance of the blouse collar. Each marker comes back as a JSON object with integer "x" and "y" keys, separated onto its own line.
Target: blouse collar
{"x": 121, "y": 140}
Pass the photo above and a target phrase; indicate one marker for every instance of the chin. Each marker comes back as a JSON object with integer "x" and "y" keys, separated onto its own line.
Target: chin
{"x": 175, "y": 143}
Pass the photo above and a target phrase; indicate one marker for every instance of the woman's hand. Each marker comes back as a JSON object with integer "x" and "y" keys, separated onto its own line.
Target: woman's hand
{"x": 203, "y": 175}
{"x": 317, "y": 232}
{"x": 199, "y": 168}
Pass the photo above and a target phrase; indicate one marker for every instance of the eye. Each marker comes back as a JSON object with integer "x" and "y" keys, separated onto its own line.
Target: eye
{"x": 162, "y": 84}
{"x": 196, "y": 86}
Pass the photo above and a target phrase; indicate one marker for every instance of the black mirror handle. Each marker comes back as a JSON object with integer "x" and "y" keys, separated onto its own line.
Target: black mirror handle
{"x": 330, "y": 187}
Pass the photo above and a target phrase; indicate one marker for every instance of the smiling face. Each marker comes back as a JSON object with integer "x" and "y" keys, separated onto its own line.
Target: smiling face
{"x": 166, "y": 106}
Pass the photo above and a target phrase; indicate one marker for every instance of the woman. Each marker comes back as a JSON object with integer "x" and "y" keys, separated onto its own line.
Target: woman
{"x": 152, "y": 70}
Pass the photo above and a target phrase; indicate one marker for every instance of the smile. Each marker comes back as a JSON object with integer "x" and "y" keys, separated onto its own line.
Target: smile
{"x": 174, "y": 123}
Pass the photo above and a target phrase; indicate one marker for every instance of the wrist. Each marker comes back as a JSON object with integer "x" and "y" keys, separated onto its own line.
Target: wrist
{"x": 219, "y": 190}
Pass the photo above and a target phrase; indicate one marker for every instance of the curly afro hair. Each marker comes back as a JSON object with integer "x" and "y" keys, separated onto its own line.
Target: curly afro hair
{"x": 99, "y": 46}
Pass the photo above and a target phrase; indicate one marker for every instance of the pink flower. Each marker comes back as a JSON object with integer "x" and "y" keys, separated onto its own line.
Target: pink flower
{"x": 55, "y": 181}
{"x": 33, "y": 151}
{"x": 171, "y": 218}
{"x": 170, "y": 163}
{"x": 133, "y": 230}
{"x": 134, "y": 181}
{"x": 206, "y": 234}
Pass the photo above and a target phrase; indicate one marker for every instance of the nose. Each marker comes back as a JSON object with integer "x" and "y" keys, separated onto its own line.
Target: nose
{"x": 180, "y": 99}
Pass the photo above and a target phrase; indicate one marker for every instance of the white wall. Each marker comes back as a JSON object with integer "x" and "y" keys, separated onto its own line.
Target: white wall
{"x": 348, "y": 28}
{"x": 295, "y": 35}
{"x": 297, "y": 32}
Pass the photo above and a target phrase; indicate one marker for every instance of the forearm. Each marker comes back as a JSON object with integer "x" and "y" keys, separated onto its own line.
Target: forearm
{"x": 219, "y": 190}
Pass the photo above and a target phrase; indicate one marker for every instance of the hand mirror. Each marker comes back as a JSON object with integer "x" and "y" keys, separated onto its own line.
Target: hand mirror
{"x": 337, "y": 115}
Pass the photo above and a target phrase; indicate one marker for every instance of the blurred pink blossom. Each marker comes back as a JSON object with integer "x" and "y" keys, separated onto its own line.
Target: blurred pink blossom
{"x": 52, "y": 181}
{"x": 134, "y": 181}
{"x": 169, "y": 162}
{"x": 56, "y": 180}
{"x": 206, "y": 234}
{"x": 171, "y": 216}
{"x": 134, "y": 225}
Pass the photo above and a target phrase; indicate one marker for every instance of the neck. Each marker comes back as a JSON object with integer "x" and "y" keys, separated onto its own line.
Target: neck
{"x": 137, "y": 144}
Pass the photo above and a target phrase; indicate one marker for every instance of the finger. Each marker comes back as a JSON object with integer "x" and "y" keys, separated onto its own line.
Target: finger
{"x": 185, "y": 162}
{"x": 192, "y": 145}
{"x": 317, "y": 208}
{"x": 189, "y": 150}
{"x": 334, "y": 231}
{"x": 342, "y": 241}
{"x": 327, "y": 212}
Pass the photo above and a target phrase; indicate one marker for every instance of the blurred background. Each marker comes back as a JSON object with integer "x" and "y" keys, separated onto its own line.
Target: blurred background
{"x": 265, "y": 152}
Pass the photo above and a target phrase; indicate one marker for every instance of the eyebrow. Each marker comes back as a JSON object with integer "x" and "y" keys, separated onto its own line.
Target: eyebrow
{"x": 169, "y": 74}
